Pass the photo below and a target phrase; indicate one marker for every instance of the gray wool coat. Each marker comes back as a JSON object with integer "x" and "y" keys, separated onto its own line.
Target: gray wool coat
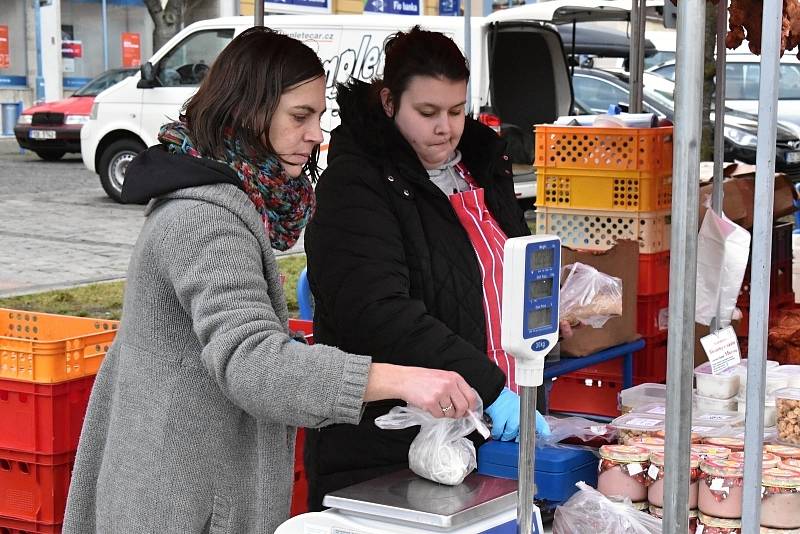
{"x": 191, "y": 423}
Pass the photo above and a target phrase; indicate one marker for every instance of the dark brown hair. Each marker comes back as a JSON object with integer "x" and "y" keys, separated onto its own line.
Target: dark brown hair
{"x": 242, "y": 89}
{"x": 419, "y": 52}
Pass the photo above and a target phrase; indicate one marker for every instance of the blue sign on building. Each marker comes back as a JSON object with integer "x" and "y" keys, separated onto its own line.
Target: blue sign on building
{"x": 393, "y": 7}
{"x": 449, "y": 8}
{"x": 298, "y": 6}
{"x": 13, "y": 81}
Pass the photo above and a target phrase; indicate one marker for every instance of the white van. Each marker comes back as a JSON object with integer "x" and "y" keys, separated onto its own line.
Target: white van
{"x": 519, "y": 73}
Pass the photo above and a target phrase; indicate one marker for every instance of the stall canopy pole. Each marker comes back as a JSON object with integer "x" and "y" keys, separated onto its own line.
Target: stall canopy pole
{"x": 760, "y": 266}
{"x": 636, "y": 49}
{"x": 683, "y": 261}
{"x": 719, "y": 126}
{"x": 258, "y": 13}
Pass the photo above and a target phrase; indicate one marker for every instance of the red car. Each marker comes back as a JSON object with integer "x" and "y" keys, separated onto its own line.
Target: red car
{"x": 54, "y": 128}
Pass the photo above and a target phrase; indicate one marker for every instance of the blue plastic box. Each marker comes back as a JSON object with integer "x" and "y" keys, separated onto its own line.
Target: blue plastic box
{"x": 557, "y": 468}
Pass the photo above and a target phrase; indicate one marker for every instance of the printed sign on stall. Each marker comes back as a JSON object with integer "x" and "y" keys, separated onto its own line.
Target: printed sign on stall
{"x": 722, "y": 349}
{"x": 393, "y": 7}
{"x": 131, "y": 50}
{"x": 5, "y": 61}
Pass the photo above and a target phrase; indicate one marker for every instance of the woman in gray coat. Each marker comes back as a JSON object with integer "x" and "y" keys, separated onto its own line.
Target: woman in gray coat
{"x": 191, "y": 423}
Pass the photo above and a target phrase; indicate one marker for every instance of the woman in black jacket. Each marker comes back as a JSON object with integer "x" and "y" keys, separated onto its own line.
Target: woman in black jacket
{"x": 397, "y": 269}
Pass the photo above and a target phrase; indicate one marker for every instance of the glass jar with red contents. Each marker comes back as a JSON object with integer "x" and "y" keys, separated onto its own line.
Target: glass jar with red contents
{"x": 720, "y": 493}
{"x": 780, "y": 498}
{"x": 655, "y": 490}
{"x": 790, "y": 463}
{"x": 768, "y": 459}
{"x": 623, "y": 471}
{"x": 783, "y": 451}
{"x": 658, "y": 512}
{"x": 695, "y": 438}
{"x": 707, "y": 524}
{"x": 734, "y": 444}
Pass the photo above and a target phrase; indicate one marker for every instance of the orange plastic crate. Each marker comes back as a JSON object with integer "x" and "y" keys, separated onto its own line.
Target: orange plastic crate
{"x": 651, "y": 314}
{"x": 604, "y": 149}
{"x": 574, "y": 394}
{"x": 654, "y": 273}
{"x": 47, "y": 348}
{"x": 9, "y": 525}
{"x": 33, "y": 487}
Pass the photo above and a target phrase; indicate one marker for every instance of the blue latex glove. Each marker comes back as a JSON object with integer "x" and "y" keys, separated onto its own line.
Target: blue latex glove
{"x": 505, "y": 417}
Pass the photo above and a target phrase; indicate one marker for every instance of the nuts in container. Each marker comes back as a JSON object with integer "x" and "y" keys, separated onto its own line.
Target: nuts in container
{"x": 634, "y": 425}
{"x": 787, "y": 405}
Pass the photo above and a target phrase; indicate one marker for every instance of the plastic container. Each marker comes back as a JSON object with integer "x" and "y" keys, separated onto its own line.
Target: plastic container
{"x": 780, "y": 498}
{"x": 776, "y": 379}
{"x": 792, "y": 372}
{"x": 769, "y": 409}
{"x": 734, "y": 444}
{"x": 655, "y": 491}
{"x": 727, "y": 419}
{"x": 711, "y": 404}
{"x": 784, "y": 452}
{"x": 710, "y": 451}
{"x": 721, "y": 489}
{"x": 641, "y": 395}
{"x": 647, "y": 442}
{"x": 707, "y": 524}
{"x": 658, "y": 409}
{"x": 48, "y": 349}
{"x": 622, "y": 472}
{"x": 34, "y": 486}
{"x": 787, "y": 404}
{"x": 770, "y": 364}
{"x": 600, "y": 230}
{"x": 720, "y": 386}
{"x": 659, "y": 513}
{"x": 768, "y": 460}
{"x": 635, "y": 425}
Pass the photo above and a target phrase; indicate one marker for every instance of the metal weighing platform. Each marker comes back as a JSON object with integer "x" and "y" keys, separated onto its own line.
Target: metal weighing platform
{"x": 404, "y": 503}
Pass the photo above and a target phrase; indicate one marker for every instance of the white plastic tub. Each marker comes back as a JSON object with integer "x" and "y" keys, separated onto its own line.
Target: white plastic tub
{"x": 721, "y": 386}
{"x": 711, "y": 404}
{"x": 793, "y": 374}
{"x": 769, "y": 409}
{"x": 776, "y": 379}
{"x": 640, "y": 395}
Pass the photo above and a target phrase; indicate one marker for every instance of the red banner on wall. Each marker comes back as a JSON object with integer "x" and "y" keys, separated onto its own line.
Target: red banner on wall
{"x": 71, "y": 49}
{"x": 131, "y": 50}
{"x": 5, "y": 60}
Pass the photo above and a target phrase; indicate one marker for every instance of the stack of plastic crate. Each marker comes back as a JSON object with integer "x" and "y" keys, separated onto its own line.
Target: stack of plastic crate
{"x": 47, "y": 368}
{"x": 596, "y": 186}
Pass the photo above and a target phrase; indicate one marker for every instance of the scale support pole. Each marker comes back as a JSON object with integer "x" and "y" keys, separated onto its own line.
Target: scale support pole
{"x": 683, "y": 260}
{"x": 760, "y": 266}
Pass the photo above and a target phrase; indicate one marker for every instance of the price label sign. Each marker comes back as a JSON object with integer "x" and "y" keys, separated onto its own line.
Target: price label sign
{"x": 722, "y": 349}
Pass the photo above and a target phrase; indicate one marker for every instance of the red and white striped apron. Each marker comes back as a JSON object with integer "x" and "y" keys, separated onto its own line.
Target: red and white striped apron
{"x": 487, "y": 239}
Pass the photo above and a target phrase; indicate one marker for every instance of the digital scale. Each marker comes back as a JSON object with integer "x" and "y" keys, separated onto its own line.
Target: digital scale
{"x": 404, "y": 503}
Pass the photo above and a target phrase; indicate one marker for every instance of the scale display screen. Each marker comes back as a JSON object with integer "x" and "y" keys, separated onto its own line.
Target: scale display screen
{"x": 539, "y": 318}
{"x": 539, "y": 289}
{"x": 541, "y": 259}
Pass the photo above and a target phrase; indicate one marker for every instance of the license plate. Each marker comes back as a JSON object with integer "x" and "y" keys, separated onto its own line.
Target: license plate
{"x": 793, "y": 157}
{"x": 42, "y": 134}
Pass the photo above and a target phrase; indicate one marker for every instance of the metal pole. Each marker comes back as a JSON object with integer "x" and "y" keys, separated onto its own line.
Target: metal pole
{"x": 719, "y": 128}
{"x": 37, "y": 15}
{"x": 527, "y": 445}
{"x": 468, "y": 47}
{"x": 760, "y": 265}
{"x": 258, "y": 13}
{"x": 105, "y": 35}
{"x": 635, "y": 104}
{"x": 683, "y": 261}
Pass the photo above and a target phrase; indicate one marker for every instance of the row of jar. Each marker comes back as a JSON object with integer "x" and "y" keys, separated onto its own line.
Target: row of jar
{"x": 700, "y": 523}
{"x": 716, "y": 477}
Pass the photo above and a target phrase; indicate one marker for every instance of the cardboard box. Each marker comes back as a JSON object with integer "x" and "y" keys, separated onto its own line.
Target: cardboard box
{"x": 616, "y": 262}
{"x": 739, "y": 193}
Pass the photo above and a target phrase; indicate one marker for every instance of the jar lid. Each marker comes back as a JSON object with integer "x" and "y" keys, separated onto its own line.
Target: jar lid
{"x": 730, "y": 443}
{"x": 642, "y": 506}
{"x": 657, "y": 458}
{"x": 710, "y": 451}
{"x": 693, "y": 512}
{"x": 767, "y": 530}
{"x": 780, "y": 478}
{"x": 650, "y": 443}
{"x": 787, "y": 393}
{"x": 767, "y": 459}
{"x": 656, "y": 511}
{"x": 624, "y": 453}
{"x": 790, "y": 463}
{"x": 784, "y": 451}
{"x": 695, "y": 437}
{"x": 722, "y": 468}
{"x": 709, "y": 521}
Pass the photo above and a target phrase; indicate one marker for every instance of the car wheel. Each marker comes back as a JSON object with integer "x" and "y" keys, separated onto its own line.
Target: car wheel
{"x": 114, "y": 162}
{"x": 50, "y": 155}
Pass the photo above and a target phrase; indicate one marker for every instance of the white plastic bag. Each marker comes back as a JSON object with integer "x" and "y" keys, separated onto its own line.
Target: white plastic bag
{"x": 723, "y": 248}
{"x": 588, "y": 510}
{"x": 588, "y": 296}
{"x": 440, "y": 452}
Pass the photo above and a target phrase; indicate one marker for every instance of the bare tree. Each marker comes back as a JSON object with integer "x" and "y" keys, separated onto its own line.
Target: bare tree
{"x": 168, "y": 19}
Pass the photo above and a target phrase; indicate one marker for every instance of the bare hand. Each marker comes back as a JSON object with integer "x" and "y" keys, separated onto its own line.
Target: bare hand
{"x": 442, "y": 393}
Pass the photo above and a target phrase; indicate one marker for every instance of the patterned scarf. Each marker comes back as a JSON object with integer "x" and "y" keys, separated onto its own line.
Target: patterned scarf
{"x": 285, "y": 203}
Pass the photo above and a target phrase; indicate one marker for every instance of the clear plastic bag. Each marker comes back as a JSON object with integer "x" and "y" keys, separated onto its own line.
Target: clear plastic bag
{"x": 588, "y": 296}
{"x": 588, "y": 510}
{"x": 585, "y": 430}
{"x": 441, "y": 451}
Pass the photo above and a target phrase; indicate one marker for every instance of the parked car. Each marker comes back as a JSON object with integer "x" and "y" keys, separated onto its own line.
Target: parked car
{"x": 595, "y": 90}
{"x": 742, "y": 72}
{"x": 54, "y": 128}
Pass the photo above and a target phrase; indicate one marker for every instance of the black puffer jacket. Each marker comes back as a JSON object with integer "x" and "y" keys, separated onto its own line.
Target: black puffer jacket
{"x": 394, "y": 275}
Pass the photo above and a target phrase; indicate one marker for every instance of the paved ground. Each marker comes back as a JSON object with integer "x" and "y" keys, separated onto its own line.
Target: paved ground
{"x": 57, "y": 226}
